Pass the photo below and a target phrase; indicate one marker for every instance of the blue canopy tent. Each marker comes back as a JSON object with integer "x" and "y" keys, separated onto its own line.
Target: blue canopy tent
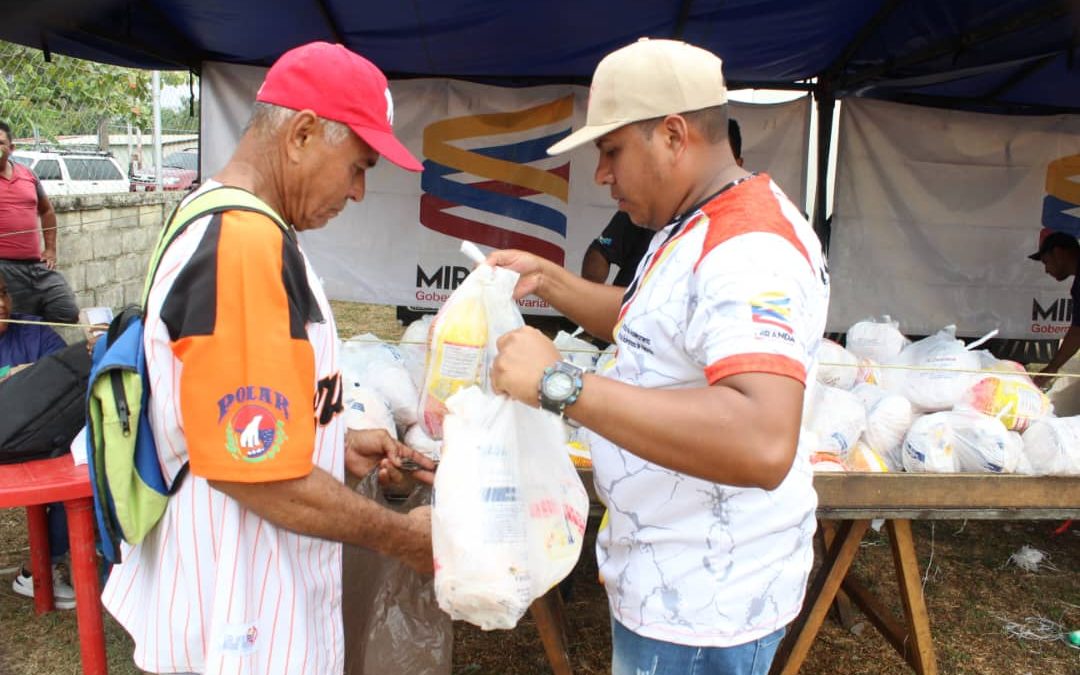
{"x": 1012, "y": 56}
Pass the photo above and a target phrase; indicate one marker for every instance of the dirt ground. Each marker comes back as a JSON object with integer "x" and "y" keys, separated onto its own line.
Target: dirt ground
{"x": 972, "y": 594}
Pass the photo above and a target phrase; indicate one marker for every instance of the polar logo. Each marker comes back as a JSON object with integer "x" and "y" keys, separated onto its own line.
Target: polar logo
{"x": 389, "y": 107}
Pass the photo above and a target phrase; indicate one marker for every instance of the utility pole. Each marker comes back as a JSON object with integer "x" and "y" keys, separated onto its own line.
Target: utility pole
{"x": 155, "y": 85}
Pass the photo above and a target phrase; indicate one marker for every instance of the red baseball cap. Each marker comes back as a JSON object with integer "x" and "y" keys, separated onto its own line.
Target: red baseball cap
{"x": 340, "y": 85}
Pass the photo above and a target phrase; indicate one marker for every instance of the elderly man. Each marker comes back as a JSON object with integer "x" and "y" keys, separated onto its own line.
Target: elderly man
{"x": 242, "y": 574}
{"x": 696, "y": 427}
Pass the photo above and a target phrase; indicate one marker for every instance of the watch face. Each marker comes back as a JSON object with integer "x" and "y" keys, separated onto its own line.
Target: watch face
{"x": 558, "y": 386}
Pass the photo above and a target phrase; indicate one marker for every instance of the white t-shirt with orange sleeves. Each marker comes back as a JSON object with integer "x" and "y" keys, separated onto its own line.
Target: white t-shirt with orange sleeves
{"x": 738, "y": 286}
{"x": 240, "y": 341}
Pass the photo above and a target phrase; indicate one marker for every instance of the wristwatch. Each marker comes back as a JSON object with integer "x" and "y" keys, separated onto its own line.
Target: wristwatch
{"x": 560, "y": 386}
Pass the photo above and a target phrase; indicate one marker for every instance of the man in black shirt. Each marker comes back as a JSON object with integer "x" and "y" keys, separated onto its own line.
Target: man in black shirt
{"x": 1060, "y": 255}
{"x": 624, "y": 244}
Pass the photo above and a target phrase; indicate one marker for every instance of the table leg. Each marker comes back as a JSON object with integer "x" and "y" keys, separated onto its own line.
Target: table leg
{"x": 37, "y": 526}
{"x": 845, "y": 613}
{"x": 921, "y": 645}
{"x": 547, "y": 613}
{"x": 84, "y": 576}
{"x": 819, "y": 598}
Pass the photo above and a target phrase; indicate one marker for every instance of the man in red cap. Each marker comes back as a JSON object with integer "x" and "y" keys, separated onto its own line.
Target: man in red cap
{"x": 1060, "y": 255}
{"x": 242, "y": 574}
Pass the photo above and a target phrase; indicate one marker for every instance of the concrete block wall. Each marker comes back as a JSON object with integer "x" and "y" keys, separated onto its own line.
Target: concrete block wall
{"x": 104, "y": 243}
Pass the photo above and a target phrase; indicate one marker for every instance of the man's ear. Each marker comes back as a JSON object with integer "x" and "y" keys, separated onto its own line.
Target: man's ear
{"x": 675, "y": 133}
{"x": 300, "y": 132}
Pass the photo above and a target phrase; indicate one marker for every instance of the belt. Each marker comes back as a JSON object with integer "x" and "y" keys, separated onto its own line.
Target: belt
{"x": 9, "y": 261}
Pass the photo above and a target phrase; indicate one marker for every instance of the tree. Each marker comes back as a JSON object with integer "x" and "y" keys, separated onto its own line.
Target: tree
{"x": 70, "y": 96}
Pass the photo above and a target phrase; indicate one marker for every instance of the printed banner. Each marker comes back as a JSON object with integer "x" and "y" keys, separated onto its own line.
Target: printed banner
{"x": 936, "y": 212}
{"x": 487, "y": 178}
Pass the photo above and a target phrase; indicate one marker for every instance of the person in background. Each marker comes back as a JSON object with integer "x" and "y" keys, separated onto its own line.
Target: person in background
{"x": 21, "y": 344}
{"x": 1060, "y": 255}
{"x": 27, "y": 218}
{"x": 695, "y": 430}
{"x": 623, "y": 244}
{"x": 242, "y": 574}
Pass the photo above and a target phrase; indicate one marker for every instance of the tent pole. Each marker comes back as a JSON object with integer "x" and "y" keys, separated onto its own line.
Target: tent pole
{"x": 826, "y": 105}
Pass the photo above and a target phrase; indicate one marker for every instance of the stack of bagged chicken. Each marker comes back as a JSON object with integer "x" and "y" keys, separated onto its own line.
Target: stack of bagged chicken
{"x": 885, "y": 403}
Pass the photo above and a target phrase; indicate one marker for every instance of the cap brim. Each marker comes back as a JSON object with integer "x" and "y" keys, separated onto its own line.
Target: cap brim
{"x": 1037, "y": 255}
{"x": 387, "y": 145}
{"x": 584, "y": 135}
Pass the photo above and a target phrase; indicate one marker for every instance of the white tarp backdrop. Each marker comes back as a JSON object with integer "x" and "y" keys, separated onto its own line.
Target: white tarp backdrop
{"x": 486, "y": 178}
{"x": 936, "y": 212}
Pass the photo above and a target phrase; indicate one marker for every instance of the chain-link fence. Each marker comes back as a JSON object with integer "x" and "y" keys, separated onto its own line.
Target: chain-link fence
{"x": 71, "y": 105}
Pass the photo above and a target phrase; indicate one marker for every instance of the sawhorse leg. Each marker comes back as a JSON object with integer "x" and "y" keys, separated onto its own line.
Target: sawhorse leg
{"x": 919, "y": 650}
{"x": 835, "y": 565}
{"x": 547, "y": 613}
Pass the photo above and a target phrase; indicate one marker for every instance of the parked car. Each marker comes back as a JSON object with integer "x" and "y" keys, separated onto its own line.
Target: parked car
{"x": 74, "y": 173}
{"x": 179, "y": 171}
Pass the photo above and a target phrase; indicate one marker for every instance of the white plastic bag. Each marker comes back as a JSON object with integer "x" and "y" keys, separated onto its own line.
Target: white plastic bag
{"x": 888, "y": 418}
{"x": 365, "y": 408}
{"x": 837, "y": 367}
{"x": 372, "y": 363}
{"x": 463, "y": 336}
{"x": 509, "y": 511}
{"x": 961, "y": 441}
{"x": 933, "y": 373}
{"x": 837, "y": 417}
{"x": 416, "y": 439}
{"x": 1052, "y": 446}
{"x": 577, "y": 351}
{"x": 414, "y": 346}
{"x": 875, "y": 339}
{"x": 1013, "y": 399}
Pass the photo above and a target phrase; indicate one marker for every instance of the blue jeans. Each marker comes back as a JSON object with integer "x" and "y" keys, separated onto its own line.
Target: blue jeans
{"x": 633, "y": 654}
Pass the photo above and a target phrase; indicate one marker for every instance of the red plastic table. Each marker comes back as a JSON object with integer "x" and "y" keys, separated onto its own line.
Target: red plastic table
{"x": 33, "y": 485}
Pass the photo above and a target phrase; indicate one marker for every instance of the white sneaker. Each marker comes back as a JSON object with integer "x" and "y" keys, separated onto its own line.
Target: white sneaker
{"x": 63, "y": 593}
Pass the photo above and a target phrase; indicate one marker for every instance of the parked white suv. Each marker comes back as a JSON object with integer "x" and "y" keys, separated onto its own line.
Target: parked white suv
{"x": 74, "y": 173}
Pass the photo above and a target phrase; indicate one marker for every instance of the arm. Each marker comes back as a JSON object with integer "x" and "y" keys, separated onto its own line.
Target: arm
{"x": 48, "y": 228}
{"x": 1068, "y": 348}
{"x": 595, "y": 267}
{"x": 594, "y": 307}
{"x": 743, "y": 430}
{"x": 318, "y": 505}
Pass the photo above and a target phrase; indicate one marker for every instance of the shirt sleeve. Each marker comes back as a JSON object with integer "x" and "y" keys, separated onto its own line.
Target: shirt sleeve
{"x": 237, "y": 321}
{"x": 50, "y": 342}
{"x": 758, "y": 309}
{"x": 612, "y": 241}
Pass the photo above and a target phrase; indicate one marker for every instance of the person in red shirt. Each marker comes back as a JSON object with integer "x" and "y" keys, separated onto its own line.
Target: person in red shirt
{"x": 27, "y": 217}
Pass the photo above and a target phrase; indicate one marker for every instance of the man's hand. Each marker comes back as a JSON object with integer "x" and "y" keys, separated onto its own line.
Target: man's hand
{"x": 48, "y": 256}
{"x": 1046, "y": 380}
{"x": 524, "y": 354}
{"x": 529, "y": 266}
{"x": 370, "y": 448}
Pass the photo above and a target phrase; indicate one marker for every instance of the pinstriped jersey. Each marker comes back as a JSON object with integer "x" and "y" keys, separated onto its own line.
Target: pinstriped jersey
{"x": 240, "y": 342}
{"x": 737, "y": 286}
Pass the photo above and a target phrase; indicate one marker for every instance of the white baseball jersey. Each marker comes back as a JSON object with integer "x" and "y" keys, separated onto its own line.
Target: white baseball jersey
{"x": 737, "y": 286}
{"x": 240, "y": 341}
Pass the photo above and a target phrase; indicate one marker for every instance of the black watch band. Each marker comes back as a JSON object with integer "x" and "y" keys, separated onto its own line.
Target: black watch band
{"x": 560, "y": 386}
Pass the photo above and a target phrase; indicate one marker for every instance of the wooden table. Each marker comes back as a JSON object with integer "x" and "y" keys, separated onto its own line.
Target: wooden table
{"x": 847, "y": 503}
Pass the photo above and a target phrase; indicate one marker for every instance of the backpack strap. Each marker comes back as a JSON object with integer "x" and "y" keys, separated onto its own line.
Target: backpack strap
{"x": 216, "y": 200}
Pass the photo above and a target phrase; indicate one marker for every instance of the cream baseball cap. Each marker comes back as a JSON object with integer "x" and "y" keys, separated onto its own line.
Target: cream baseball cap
{"x": 645, "y": 80}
